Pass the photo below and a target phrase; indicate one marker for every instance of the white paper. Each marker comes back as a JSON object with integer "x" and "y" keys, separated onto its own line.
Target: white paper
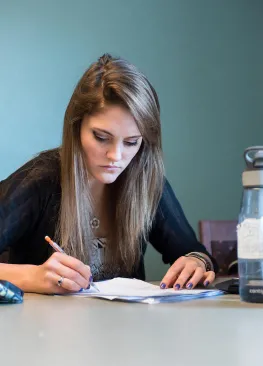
{"x": 136, "y": 290}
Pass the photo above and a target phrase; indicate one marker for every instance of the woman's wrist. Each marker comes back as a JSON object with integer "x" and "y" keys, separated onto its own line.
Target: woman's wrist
{"x": 203, "y": 258}
{"x": 21, "y": 275}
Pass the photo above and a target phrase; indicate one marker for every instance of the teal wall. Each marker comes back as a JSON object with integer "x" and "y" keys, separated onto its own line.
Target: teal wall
{"x": 204, "y": 57}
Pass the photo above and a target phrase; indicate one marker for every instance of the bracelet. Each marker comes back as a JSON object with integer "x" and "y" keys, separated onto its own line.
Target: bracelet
{"x": 206, "y": 260}
{"x": 197, "y": 257}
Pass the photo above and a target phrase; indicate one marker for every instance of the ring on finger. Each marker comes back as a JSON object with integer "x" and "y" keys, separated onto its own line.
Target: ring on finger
{"x": 60, "y": 281}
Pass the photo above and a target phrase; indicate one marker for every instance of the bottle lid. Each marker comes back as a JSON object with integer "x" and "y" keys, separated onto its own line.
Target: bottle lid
{"x": 253, "y": 175}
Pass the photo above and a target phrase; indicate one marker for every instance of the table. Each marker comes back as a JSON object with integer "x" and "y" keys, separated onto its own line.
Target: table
{"x": 72, "y": 331}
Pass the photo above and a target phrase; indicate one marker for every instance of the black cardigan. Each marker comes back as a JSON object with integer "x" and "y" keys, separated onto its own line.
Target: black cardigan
{"x": 29, "y": 210}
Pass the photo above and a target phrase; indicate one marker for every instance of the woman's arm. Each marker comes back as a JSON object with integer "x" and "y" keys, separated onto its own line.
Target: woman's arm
{"x": 22, "y": 204}
{"x": 171, "y": 234}
{"x": 20, "y": 207}
{"x": 20, "y": 275}
{"x": 45, "y": 278}
{"x": 174, "y": 238}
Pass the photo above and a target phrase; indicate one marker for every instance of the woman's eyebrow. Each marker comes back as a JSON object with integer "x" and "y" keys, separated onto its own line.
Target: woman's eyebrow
{"x": 108, "y": 133}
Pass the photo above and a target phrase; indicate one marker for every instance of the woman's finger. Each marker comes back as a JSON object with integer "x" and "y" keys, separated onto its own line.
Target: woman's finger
{"x": 208, "y": 277}
{"x": 72, "y": 275}
{"x": 172, "y": 273}
{"x": 186, "y": 273}
{"x": 74, "y": 264}
{"x": 195, "y": 279}
{"x": 65, "y": 283}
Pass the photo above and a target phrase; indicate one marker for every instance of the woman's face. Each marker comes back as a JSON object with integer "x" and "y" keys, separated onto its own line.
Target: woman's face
{"x": 110, "y": 141}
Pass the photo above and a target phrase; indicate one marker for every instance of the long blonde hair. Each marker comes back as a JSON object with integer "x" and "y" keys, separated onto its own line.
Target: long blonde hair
{"x": 136, "y": 192}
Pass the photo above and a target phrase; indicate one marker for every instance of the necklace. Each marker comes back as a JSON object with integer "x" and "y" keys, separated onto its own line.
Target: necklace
{"x": 95, "y": 223}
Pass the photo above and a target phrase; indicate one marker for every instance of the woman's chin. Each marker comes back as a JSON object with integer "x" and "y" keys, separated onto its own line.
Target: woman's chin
{"x": 106, "y": 178}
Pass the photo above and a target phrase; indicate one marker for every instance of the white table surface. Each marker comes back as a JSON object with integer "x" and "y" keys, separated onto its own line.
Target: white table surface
{"x": 69, "y": 331}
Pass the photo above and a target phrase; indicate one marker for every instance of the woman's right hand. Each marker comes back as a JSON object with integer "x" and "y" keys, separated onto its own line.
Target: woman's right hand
{"x": 76, "y": 275}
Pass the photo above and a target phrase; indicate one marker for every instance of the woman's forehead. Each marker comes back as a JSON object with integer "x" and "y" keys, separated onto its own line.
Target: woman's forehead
{"x": 115, "y": 120}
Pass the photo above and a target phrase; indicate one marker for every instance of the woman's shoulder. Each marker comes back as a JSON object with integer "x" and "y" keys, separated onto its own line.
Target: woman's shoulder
{"x": 42, "y": 169}
{"x": 45, "y": 165}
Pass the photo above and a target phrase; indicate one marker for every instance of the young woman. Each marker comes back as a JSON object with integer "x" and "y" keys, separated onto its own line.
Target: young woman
{"x": 102, "y": 195}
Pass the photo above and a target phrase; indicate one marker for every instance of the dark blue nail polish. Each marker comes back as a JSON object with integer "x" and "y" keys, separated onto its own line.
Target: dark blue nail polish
{"x": 81, "y": 290}
{"x": 88, "y": 287}
{"x": 177, "y": 286}
{"x": 91, "y": 279}
{"x": 189, "y": 286}
{"x": 206, "y": 283}
{"x": 163, "y": 285}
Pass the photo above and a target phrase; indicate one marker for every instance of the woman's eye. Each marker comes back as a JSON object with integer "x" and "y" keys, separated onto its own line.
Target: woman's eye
{"x": 131, "y": 143}
{"x": 99, "y": 138}
{"x": 105, "y": 139}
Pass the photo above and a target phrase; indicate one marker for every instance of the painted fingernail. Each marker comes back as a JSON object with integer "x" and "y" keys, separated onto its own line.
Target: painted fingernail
{"x": 91, "y": 279}
{"x": 177, "y": 287}
{"x": 81, "y": 290}
{"x": 189, "y": 286}
{"x": 88, "y": 287}
{"x": 163, "y": 285}
{"x": 206, "y": 283}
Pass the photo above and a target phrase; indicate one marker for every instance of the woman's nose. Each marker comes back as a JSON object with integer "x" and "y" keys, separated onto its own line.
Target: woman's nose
{"x": 115, "y": 153}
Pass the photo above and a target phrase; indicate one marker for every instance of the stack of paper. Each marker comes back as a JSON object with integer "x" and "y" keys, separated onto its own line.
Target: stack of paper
{"x": 134, "y": 290}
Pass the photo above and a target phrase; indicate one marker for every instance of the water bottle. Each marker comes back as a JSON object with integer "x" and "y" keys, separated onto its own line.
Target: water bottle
{"x": 250, "y": 228}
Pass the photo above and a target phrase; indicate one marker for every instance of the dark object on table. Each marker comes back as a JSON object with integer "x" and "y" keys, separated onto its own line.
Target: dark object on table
{"x": 230, "y": 286}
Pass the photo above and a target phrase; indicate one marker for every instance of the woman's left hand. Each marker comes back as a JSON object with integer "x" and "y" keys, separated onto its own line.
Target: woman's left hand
{"x": 188, "y": 272}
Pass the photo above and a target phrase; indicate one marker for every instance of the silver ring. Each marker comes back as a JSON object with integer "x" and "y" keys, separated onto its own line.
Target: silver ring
{"x": 60, "y": 281}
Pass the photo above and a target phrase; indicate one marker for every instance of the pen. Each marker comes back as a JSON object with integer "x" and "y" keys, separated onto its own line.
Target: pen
{"x": 57, "y": 248}
{"x": 54, "y": 245}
